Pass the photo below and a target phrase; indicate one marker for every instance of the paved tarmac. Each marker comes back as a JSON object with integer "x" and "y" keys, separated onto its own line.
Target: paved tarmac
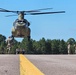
{"x": 27, "y": 68}
{"x": 55, "y": 64}
{"x": 9, "y": 65}
{"x": 47, "y": 64}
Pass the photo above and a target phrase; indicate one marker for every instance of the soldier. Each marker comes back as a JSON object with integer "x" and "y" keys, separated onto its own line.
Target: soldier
{"x": 9, "y": 42}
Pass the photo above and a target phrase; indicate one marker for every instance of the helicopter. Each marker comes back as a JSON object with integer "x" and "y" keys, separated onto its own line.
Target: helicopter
{"x": 21, "y": 26}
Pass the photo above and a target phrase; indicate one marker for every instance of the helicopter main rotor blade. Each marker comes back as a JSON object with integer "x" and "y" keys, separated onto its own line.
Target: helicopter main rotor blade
{"x": 46, "y": 13}
{"x": 10, "y": 15}
{"x": 8, "y": 11}
{"x": 38, "y": 10}
{"x": 5, "y": 10}
{"x": 1, "y": 9}
{"x": 31, "y": 12}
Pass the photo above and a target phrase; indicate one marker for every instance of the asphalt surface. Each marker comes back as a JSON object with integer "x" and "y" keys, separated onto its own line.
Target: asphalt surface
{"x": 54, "y": 64}
{"x": 48, "y": 64}
{"x": 9, "y": 65}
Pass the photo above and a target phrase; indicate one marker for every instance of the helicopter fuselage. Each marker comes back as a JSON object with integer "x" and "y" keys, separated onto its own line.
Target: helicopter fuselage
{"x": 21, "y": 28}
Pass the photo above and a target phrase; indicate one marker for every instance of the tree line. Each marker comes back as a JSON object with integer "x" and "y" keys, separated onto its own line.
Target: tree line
{"x": 43, "y": 46}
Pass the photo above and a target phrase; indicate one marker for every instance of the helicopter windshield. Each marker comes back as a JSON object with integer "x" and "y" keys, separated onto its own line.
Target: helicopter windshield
{"x": 22, "y": 22}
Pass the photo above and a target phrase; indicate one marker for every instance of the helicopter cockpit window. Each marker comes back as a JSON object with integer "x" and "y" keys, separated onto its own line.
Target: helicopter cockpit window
{"x": 22, "y": 22}
{"x": 19, "y": 21}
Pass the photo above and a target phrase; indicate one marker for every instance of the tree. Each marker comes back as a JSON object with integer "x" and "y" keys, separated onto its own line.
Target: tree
{"x": 35, "y": 46}
{"x": 55, "y": 46}
{"x": 2, "y": 38}
{"x": 39, "y": 47}
{"x": 63, "y": 47}
{"x": 2, "y": 44}
{"x": 48, "y": 46}
{"x": 27, "y": 45}
{"x": 42, "y": 43}
{"x": 71, "y": 41}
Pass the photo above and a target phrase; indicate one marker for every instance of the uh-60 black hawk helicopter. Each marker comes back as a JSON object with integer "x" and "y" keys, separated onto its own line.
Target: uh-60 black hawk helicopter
{"x": 21, "y": 25}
